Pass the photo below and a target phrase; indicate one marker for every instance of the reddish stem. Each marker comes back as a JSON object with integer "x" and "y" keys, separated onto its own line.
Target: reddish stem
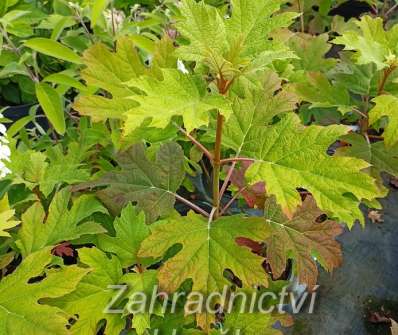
{"x": 233, "y": 199}
{"x": 200, "y": 146}
{"x": 227, "y": 178}
{"x": 236, "y": 159}
{"x": 191, "y": 205}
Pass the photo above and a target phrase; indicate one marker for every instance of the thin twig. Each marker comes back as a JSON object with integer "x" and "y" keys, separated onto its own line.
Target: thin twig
{"x": 227, "y": 178}
{"x": 376, "y": 137}
{"x": 85, "y": 29}
{"x": 386, "y": 74}
{"x": 236, "y": 159}
{"x": 233, "y": 199}
{"x": 301, "y": 10}
{"x": 196, "y": 142}
{"x": 113, "y": 27}
{"x": 356, "y": 110}
{"x": 387, "y": 14}
{"x": 113, "y": 22}
{"x": 18, "y": 53}
{"x": 191, "y": 205}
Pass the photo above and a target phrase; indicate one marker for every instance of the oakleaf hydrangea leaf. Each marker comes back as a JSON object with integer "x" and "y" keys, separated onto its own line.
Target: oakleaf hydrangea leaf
{"x": 111, "y": 70}
{"x": 232, "y": 44}
{"x": 311, "y": 51}
{"x": 131, "y": 230}
{"x": 386, "y": 105}
{"x": 210, "y": 247}
{"x": 101, "y": 108}
{"x": 39, "y": 230}
{"x": 34, "y": 168}
{"x": 150, "y": 184}
{"x": 177, "y": 94}
{"x": 256, "y": 105}
{"x": 20, "y": 310}
{"x": 381, "y": 158}
{"x": 252, "y": 22}
{"x": 372, "y": 43}
{"x": 288, "y": 156}
{"x": 318, "y": 90}
{"x": 93, "y": 294}
{"x": 142, "y": 283}
{"x": 358, "y": 79}
{"x": 204, "y": 27}
{"x": 7, "y": 220}
{"x": 301, "y": 238}
{"x": 255, "y": 323}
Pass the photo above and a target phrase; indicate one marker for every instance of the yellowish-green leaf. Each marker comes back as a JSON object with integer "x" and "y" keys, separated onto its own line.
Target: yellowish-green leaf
{"x": 258, "y": 103}
{"x": 111, "y": 70}
{"x": 386, "y": 105}
{"x": 255, "y": 323}
{"x": 311, "y": 51}
{"x": 372, "y": 43}
{"x": 52, "y": 104}
{"x": 131, "y": 230}
{"x": 177, "y": 94}
{"x": 288, "y": 156}
{"x": 210, "y": 247}
{"x": 59, "y": 224}
{"x": 12, "y": 16}
{"x": 93, "y": 294}
{"x": 101, "y": 108}
{"x": 233, "y": 44}
{"x": 97, "y": 9}
{"x": 143, "y": 42}
{"x": 6, "y": 217}
{"x": 53, "y": 48}
{"x": 63, "y": 79}
{"x": 20, "y": 310}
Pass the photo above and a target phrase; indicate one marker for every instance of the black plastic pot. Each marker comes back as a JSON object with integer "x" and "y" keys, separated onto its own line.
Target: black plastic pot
{"x": 351, "y": 9}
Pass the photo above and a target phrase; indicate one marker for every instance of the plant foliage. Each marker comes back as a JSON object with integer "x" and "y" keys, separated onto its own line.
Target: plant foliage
{"x": 173, "y": 148}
